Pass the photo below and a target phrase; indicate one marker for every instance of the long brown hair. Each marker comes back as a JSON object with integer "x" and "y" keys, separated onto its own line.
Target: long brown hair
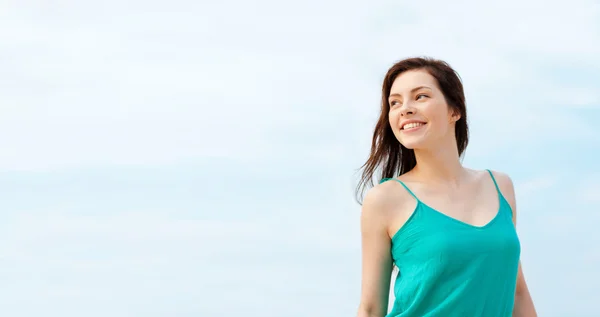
{"x": 388, "y": 156}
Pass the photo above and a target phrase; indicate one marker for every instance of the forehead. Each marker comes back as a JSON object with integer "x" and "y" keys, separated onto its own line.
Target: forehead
{"x": 411, "y": 79}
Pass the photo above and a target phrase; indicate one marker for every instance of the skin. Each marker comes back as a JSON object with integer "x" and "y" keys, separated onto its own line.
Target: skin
{"x": 437, "y": 176}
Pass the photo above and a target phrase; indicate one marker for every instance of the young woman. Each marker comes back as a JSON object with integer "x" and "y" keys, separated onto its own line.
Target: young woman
{"x": 448, "y": 229}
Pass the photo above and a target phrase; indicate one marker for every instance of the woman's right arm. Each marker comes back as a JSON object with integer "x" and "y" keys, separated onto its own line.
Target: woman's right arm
{"x": 376, "y": 256}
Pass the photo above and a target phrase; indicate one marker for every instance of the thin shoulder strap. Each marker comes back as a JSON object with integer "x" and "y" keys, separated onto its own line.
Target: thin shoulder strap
{"x": 403, "y": 185}
{"x": 494, "y": 179}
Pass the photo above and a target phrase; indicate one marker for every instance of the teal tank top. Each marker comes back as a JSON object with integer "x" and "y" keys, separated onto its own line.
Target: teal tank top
{"x": 448, "y": 268}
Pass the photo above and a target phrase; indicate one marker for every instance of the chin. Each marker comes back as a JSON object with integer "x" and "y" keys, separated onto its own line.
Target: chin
{"x": 413, "y": 145}
{"x": 415, "y": 140}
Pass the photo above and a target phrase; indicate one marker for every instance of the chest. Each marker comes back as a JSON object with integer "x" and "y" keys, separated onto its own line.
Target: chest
{"x": 453, "y": 245}
{"x": 476, "y": 206}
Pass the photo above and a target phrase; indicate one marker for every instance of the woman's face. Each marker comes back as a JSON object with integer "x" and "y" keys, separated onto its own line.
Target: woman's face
{"x": 419, "y": 115}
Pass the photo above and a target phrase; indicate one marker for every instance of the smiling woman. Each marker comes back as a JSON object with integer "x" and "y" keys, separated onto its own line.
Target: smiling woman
{"x": 449, "y": 230}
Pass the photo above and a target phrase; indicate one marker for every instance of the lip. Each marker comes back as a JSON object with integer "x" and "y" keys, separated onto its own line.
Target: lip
{"x": 410, "y": 121}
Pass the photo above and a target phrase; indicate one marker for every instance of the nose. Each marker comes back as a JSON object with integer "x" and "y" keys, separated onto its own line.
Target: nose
{"x": 407, "y": 109}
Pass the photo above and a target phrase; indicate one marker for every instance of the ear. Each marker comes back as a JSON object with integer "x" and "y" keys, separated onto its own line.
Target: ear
{"x": 455, "y": 116}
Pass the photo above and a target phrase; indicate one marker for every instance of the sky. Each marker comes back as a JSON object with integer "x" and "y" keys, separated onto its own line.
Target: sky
{"x": 189, "y": 158}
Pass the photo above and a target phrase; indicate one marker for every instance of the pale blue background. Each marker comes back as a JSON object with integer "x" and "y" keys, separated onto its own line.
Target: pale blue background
{"x": 186, "y": 158}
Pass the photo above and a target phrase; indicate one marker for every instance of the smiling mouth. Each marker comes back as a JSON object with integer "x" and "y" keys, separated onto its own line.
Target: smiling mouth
{"x": 412, "y": 126}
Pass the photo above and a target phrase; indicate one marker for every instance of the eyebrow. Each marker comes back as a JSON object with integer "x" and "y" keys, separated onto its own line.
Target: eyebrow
{"x": 411, "y": 91}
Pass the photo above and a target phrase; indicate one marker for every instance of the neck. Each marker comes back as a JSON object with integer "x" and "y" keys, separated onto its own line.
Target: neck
{"x": 439, "y": 165}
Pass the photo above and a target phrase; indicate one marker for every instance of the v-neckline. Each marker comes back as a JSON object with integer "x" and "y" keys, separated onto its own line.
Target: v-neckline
{"x": 500, "y": 197}
{"x": 444, "y": 215}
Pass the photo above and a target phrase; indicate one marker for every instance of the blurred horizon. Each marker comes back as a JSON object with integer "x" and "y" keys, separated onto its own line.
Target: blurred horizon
{"x": 199, "y": 159}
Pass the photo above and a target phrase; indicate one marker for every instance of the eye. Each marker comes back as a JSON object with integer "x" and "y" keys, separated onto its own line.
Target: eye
{"x": 395, "y": 103}
{"x": 421, "y": 95}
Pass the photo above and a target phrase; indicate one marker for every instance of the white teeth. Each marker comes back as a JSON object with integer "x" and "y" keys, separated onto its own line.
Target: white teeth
{"x": 412, "y": 125}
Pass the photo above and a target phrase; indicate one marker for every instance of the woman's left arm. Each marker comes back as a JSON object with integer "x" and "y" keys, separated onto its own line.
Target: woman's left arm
{"x": 523, "y": 303}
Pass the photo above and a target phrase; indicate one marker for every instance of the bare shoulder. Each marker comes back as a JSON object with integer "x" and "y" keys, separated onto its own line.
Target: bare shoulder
{"x": 507, "y": 188}
{"x": 385, "y": 203}
{"x": 505, "y": 184}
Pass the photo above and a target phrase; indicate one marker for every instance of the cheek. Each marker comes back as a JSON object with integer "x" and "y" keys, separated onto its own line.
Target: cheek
{"x": 437, "y": 114}
{"x": 393, "y": 119}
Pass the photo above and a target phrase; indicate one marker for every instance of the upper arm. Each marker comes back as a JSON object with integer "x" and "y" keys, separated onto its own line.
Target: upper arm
{"x": 508, "y": 191}
{"x": 376, "y": 254}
